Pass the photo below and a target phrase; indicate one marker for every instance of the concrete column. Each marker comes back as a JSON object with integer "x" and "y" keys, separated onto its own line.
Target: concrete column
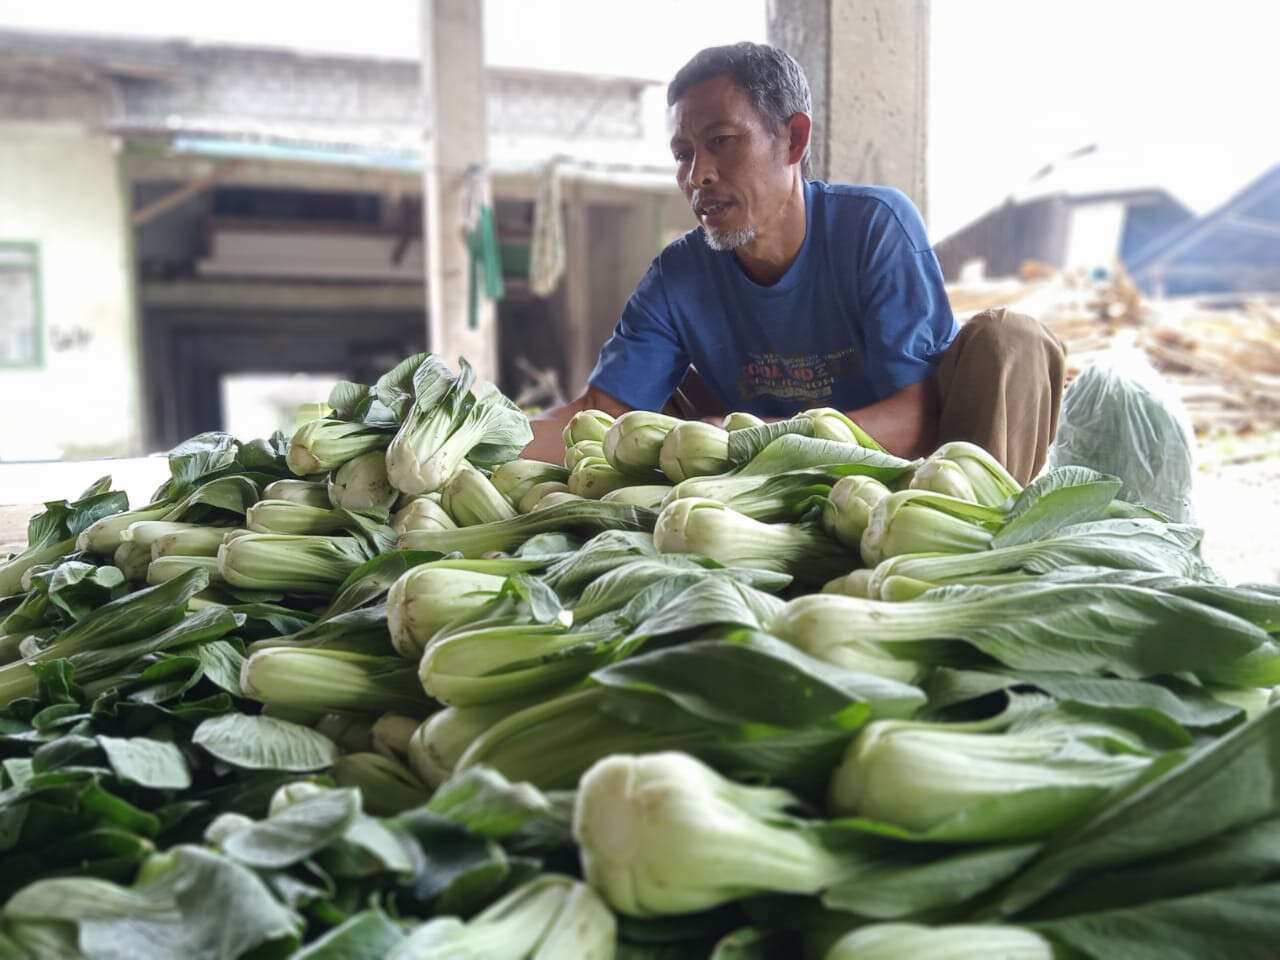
{"x": 868, "y": 67}
{"x": 577, "y": 283}
{"x": 455, "y": 138}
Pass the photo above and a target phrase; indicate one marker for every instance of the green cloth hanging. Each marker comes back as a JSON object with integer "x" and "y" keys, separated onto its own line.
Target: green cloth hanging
{"x": 485, "y": 258}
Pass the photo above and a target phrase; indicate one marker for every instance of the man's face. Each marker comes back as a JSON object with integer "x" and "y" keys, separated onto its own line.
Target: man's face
{"x": 732, "y": 168}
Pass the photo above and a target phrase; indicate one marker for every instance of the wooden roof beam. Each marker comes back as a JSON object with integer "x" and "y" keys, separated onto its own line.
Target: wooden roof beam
{"x": 180, "y": 196}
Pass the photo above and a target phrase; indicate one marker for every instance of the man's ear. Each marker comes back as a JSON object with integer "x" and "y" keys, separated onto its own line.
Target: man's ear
{"x": 799, "y": 126}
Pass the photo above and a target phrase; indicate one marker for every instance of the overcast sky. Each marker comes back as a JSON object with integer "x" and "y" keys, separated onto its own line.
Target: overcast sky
{"x": 1182, "y": 94}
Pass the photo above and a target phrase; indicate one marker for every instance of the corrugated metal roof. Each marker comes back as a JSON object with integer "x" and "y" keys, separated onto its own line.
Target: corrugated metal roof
{"x": 1234, "y": 247}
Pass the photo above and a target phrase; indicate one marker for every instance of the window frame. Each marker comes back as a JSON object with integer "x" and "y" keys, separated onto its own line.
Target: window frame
{"x": 33, "y": 248}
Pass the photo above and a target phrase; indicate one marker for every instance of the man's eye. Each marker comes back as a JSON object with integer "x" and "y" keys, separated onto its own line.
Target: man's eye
{"x": 682, "y": 156}
{"x": 721, "y": 140}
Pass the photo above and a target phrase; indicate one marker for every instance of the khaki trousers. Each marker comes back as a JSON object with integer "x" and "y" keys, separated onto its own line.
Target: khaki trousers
{"x": 999, "y": 385}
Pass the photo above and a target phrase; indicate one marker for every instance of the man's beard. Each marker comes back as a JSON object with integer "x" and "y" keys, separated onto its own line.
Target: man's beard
{"x": 721, "y": 240}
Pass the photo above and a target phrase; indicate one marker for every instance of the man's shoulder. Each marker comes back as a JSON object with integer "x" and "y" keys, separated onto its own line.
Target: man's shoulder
{"x": 677, "y": 273}
{"x": 687, "y": 258}
{"x": 871, "y": 206}
{"x": 865, "y": 194}
{"x": 686, "y": 248}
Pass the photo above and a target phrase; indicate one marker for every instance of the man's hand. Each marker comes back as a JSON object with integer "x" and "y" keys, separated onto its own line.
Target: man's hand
{"x": 906, "y": 422}
{"x": 547, "y": 443}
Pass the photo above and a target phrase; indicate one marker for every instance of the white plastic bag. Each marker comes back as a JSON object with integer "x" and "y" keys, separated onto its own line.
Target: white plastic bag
{"x": 1119, "y": 416}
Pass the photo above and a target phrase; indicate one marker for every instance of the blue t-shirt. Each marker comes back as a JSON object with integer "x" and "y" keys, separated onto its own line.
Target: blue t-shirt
{"x": 860, "y": 314}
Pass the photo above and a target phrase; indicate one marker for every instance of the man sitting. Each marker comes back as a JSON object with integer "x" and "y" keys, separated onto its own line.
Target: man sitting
{"x": 794, "y": 293}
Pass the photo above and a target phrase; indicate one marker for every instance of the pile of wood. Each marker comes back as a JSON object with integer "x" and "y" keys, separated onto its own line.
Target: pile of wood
{"x": 1223, "y": 358}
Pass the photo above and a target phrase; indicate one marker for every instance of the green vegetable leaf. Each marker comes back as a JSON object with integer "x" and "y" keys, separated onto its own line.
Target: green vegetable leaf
{"x": 602, "y": 553}
{"x": 266, "y": 455}
{"x": 485, "y": 802}
{"x": 396, "y": 388}
{"x": 262, "y": 620}
{"x": 747, "y": 443}
{"x": 369, "y": 935}
{"x": 49, "y": 526}
{"x": 18, "y": 770}
{"x": 102, "y": 666}
{"x": 55, "y": 682}
{"x": 367, "y": 848}
{"x": 905, "y": 881}
{"x": 750, "y": 943}
{"x": 505, "y": 429}
{"x": 92, "y": 507}
{"x": 359, "y": 631}
{"x": 220, "y": 662}
{"x": 265, "y": 743}
{"x": 60, "y": 519}
{"x": 534, "y": 595}
{"x": 234, "y": 494}
{"x": 134, "y": 615}
{"x": 450, "y": 851}
{"x": 710, "y": 601}
{"x": 77, "y": 588}
{"x": 180, "y": 910}
{"x": 149, "y": 763}
{"x": 1080, "y": 628}
{"x": 549, "y": 546}
{"x": 350, "y": 400}
{"x": 1248, "y": 854}
{"x": 372, "y": 579}
{"x": 1229, "y": 782}
{"x": 589, "y": 516}
{"x": 638, "y": 590}
{"x": 1179, "y": 703}
{"x": 203, "y": 454}
{"x": 101, "y": 485}
{"x": 1058, "y": 499}
{"x": 721, "y": 680}
{"x": 794, "y": 451}
{"x": 168, "y": 678}
{"x": 1228, "y": 924}
{"x": 297, "y": 832}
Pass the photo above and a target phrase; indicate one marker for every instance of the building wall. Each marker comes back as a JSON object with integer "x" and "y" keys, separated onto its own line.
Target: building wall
{"x": 1007, "y": 236}
{"x": 63, "y": 192}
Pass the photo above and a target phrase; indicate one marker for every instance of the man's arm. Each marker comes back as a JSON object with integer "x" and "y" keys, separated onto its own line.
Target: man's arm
{"x": 547, "y": 443}
{"x": 905, "y": 422}
{"x": 907, "y": 326}
{"x": 643, "y": 361}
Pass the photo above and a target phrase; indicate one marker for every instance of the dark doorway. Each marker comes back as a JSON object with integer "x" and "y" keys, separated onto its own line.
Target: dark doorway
{"x": 188, "y": 352}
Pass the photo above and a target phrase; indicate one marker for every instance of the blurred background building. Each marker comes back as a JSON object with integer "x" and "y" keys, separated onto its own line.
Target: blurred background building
{"x": 197, "y": 220}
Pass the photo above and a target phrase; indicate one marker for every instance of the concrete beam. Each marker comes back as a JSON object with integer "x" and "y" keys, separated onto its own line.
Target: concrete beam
{"x": 456, "y": 138}
{"x": 143, "y": 165}
{"x": 283, "y": 295}
{"x": 868, "y": 67}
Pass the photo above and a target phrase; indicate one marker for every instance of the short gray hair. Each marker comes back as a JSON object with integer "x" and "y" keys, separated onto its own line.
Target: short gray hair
{"x": 769, "y": 76}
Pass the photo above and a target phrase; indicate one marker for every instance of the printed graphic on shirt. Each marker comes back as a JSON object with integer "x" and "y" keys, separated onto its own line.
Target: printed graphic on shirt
{"x": 805, "y": 377}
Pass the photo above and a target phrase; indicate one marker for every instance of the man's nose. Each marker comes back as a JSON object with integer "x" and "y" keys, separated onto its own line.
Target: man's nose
{"x": 703, "y": 170}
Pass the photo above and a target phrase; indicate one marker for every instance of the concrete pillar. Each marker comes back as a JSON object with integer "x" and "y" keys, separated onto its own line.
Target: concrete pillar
{"x": 577, "y": 283}
{"x": 868, "y": 67}
{"x": 456, "y": 137}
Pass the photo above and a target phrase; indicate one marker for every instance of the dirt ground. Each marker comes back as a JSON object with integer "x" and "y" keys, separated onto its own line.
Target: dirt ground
{"x": 1238, "y": 505}
{"x": 1237, "y": 500}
